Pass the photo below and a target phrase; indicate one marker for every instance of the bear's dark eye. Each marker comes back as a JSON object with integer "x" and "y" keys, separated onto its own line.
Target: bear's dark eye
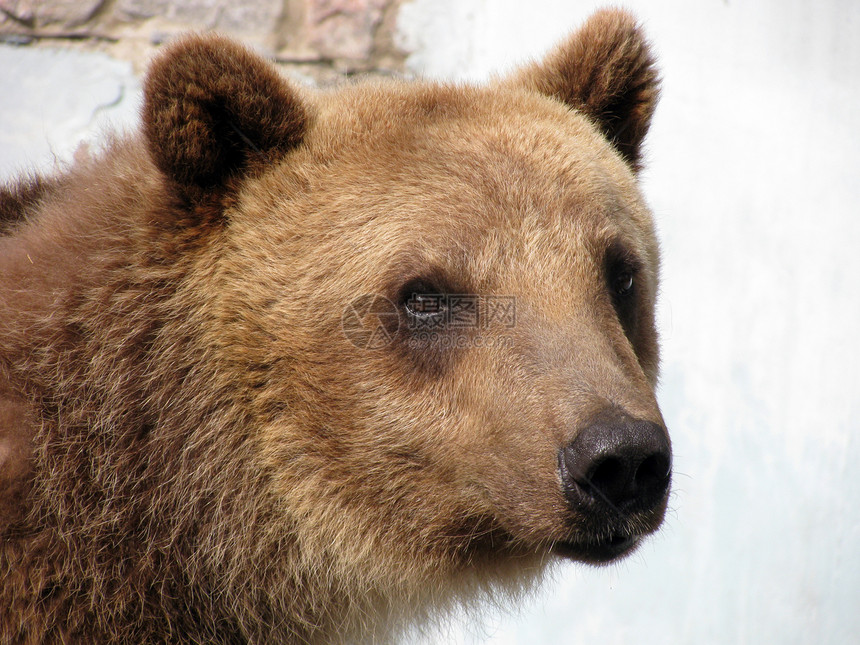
{"x": 422, "y": 300}
{"x": 622, "y": 288}
{"x": 425, "y": 304}
{"x": 621, "y": 266}
{"x": 622, "y": 282}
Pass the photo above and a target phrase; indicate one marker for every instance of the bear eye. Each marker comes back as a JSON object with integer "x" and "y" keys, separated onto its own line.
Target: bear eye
{"x": 425, "y": 304}
{"x": 621, "y": 266}
{"x": 422, "y": 300}
{"x": 622, "y": 284}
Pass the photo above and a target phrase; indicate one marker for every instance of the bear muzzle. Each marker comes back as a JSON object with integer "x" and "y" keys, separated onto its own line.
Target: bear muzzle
{"x": 615, "y": 476}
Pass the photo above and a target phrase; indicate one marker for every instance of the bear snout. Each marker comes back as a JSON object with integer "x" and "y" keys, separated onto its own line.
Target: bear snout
{"x": 617, "y": 463}
{"x": 615, "y": 478}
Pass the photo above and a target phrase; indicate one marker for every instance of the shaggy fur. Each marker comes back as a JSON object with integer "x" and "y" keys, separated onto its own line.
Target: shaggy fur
{"x": 19, "y": 197}
{"x": 213, "y": 111}
{"x": 616, "y": 88}
{"x": 191, "y": 448}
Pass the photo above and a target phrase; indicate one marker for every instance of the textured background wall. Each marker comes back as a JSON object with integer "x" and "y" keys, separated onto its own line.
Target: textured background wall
{"x": 70, "y": 69}
{"x": 753, "y": 179}
{"x": 344, "y": 35}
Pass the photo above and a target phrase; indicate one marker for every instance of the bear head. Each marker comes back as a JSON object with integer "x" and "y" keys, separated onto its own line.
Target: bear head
{"x": 434, "y": 303}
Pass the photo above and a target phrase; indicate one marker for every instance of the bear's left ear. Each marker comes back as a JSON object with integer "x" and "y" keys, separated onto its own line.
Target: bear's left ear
{"x": 214, "y": 110}
{"x": 606, "y": 71}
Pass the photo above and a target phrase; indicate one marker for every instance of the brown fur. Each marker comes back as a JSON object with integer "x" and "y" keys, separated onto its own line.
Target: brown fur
{"x": 607, "y": 72}
{"x": 194, "y": 450}
{"x": 17, "y": 198}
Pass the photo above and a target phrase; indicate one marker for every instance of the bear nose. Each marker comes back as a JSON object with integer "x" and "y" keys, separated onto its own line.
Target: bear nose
{"x": 618, "y": 461}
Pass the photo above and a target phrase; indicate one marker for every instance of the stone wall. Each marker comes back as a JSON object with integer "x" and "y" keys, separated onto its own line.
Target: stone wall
{"x": 70, "y": 69}
{"x": 323, "y": 39}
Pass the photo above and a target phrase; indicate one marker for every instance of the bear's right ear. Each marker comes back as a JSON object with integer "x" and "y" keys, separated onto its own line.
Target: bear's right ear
{"x": 606, "y": 71}
{"x": 214, "y": 110}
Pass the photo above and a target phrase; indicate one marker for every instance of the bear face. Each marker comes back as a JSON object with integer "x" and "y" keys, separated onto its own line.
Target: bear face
{"x": 334, "y": 356}
{"x": 467, "y": 203}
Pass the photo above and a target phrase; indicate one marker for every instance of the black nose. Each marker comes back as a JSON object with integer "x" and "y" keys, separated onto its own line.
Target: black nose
{"x": 619, "y": 461}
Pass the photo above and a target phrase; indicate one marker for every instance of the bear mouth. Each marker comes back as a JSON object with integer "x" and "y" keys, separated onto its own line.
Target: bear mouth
{"x": 598, "y": 551}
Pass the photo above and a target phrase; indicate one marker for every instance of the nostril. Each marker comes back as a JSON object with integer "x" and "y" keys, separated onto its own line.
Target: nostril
{"x": 651, "y": 475}
{"x": 609, "y": 478}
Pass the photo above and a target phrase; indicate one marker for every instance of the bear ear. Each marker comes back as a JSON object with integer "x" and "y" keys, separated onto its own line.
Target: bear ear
{"x": 214, "y": 110}
{"x": 606, "y": 71}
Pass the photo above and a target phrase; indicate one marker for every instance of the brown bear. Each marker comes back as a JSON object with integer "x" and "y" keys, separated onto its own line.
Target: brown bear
{"x": 197, "y": 447}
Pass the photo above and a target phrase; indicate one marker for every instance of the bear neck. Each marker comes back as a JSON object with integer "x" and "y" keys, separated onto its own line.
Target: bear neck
{"x": 158, "y": 466}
